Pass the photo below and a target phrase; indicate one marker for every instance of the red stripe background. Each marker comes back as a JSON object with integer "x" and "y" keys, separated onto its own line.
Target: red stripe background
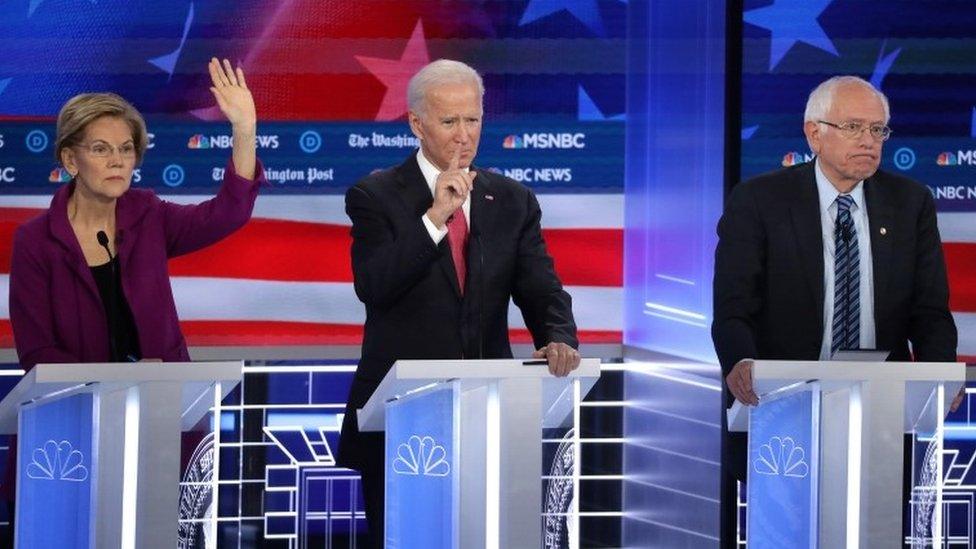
{"x": 296, "y": 251}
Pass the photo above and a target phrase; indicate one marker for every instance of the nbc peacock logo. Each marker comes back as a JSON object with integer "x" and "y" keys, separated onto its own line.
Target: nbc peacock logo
{"x": 947, "y": 159}
{"x": 513, "y": 142}
{"x": 793, "y": 158}
{"x": 421, "y": 456}
{"x": 59, "y": 175}
{"x": 198, "y": 141}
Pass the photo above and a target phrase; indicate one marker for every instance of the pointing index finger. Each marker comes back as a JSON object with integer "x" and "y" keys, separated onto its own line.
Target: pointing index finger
{"x": 455, "y": 160}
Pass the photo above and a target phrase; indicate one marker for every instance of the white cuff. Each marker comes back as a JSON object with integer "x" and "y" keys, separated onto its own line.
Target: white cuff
{"x": 435, "y": 234}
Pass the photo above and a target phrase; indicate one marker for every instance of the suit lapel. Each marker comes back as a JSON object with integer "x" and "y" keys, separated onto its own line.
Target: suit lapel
{"x": 482, "y": 221}
{"x": 881, "y": 215}
{"x": 805, "y": 213}
{"x": 418, "y": 199}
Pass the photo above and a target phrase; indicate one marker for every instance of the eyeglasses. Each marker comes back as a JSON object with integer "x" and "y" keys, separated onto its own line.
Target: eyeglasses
{"x": 853, "y": 130}
{"x": 101, "y": 149}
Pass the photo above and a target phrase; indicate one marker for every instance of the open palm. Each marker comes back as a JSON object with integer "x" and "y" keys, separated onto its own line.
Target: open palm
{"x": 230, "y": 91}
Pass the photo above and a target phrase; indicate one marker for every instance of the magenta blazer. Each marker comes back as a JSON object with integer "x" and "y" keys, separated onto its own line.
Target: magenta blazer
{"x": 55, "y": 308}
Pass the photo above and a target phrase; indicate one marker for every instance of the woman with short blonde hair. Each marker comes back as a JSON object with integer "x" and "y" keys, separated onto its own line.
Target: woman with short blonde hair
{"x": 88, "y": 277}
{"x": 82, "y": 110}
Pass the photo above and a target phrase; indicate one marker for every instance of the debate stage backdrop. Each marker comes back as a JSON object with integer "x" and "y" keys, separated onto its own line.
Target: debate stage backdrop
{"x": 329, "y": 78}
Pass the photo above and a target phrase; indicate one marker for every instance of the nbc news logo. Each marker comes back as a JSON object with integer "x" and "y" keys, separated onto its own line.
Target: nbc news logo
{"x": 198, "y": 141}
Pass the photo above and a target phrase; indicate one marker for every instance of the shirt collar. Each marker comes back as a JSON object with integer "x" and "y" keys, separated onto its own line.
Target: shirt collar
{"x": 429, "y": 170}
{"x": 828, "y": 193}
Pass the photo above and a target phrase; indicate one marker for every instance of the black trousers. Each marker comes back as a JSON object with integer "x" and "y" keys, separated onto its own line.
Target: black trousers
{"x": 372, "y": 473}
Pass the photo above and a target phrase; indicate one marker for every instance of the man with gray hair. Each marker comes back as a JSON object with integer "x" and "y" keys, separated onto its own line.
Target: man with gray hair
{"x": 439, "y": 248}
{"x": 829, "y": 255}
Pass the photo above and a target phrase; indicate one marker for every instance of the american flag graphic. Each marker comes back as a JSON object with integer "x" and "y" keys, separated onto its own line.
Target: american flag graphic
{"x": 958, "y": 230}
{"x": 285, "y": 278}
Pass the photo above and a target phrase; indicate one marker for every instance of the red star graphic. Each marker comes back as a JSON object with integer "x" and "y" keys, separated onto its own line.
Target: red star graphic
{"x": 395, "y": 74}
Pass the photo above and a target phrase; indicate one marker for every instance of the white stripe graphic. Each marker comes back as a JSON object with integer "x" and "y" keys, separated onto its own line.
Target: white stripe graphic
{"x": 957, "y": 227}
{"x": 966, "y": 327}
{"x": 199, "y": 298}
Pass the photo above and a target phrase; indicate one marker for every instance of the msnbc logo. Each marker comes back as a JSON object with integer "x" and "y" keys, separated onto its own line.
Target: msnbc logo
{"x": 794, "y": 158}
{"x": 960, "y": 158}
{"x": 513, "y": 142}
{"x": 59, "y": 175}
{"x": 198, "y": 141}
{"x": 545, "y": 141}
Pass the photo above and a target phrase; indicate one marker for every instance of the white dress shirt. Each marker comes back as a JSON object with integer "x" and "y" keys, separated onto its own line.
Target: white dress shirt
{"x": 431, "y": 172}
{"x": 828, "y": 217}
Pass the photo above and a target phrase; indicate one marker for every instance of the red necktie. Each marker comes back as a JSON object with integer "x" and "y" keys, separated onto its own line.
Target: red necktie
{"x": 457, "y": 237}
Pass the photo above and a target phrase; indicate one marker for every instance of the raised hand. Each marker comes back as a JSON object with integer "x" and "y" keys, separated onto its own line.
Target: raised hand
{"x": 450, "y": 190}
{"x": 233, "y": 97}
{"x": 237, "y": 104}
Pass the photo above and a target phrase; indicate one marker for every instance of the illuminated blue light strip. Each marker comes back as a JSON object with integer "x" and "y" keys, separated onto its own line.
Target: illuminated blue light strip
{"x": 674, "y": 311}
{"x": 676, "y": 319}
{"x": 668, "y": 526}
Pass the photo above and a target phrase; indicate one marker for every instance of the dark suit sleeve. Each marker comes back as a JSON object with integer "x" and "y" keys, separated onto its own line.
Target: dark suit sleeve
{"x": 931, "y": 328}
{"x": 737, "y": 286}
{"x": 385, "y": 263}
{"x": 537, "y": 291}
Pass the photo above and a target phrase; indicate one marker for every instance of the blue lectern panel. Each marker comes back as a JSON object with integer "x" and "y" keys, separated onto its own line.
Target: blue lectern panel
{"x": 421, "y": 473}
{"x": 783, "y": 451}
{"x": 54, "y": 477}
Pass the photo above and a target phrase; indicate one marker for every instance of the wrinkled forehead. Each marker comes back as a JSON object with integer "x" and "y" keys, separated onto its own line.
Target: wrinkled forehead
{"x": 855, "y": 102}
{"x": 110, "y": 129}
{"x": 454, "y": 98}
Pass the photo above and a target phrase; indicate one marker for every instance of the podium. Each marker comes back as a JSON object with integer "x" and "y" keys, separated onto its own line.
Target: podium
{"x": 826, "y": 452}
{"x": 98, "y": 457}
{"x": 464, "y": 448}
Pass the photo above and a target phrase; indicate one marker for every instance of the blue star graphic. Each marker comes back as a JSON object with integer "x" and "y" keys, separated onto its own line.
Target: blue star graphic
{"x": 748, "y": 132}
{"x": 168, "y": 62}
{"x": 588, "y": 110}
{"x": 34, "y": 4}
{"x": 883, "y": 65}
{"x": 586, "y": 11}
{"x": 789, "y": 22}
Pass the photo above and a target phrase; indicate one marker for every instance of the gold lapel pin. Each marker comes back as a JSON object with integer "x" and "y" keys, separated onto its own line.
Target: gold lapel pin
{"x": 883, "y": 231}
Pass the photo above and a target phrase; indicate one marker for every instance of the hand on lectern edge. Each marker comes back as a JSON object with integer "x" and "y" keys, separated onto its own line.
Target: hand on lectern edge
{"x": 562, "y": 358}
{"x": 739, "y": 382}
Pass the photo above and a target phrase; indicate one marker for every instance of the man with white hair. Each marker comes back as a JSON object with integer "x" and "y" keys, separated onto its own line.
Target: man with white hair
{"x": 829, "y": 255}
{"x": 439, "y": 247}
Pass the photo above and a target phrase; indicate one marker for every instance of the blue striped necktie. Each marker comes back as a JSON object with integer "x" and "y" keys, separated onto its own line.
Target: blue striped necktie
{"x": 847, "y": 280}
